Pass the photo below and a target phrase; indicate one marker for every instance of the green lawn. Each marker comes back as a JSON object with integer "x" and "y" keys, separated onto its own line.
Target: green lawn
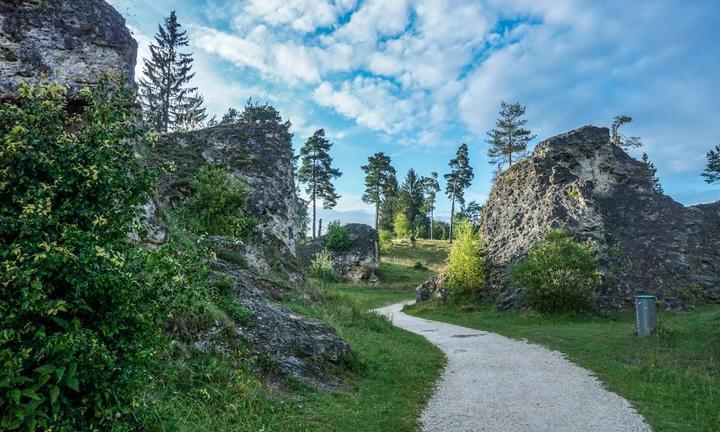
{"x": 672, "y": 378}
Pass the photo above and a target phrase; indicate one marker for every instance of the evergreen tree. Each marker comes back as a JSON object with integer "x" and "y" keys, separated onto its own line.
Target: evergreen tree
{"x": 430, "y": 187}
{"x": 653, "y": 173}
{"x": 379, "y": 178}
{"x": 460, "y": 176}
{"x": 411, "y": 198}
{"x": 167, "y": 100}
{"x": 471, "y": 213}
{"x": 712, "y": 170}
{"x": 390, "y": 205}
{"x": 620, "y": 140}
{"x": 509, "y": 137}
{"x": 194, "y": 113}
{"x": 316, "y": 172}
{"x": 231, "y": 116}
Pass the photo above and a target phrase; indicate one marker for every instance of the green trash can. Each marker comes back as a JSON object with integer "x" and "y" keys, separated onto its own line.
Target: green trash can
{"x": 645, "y": 315}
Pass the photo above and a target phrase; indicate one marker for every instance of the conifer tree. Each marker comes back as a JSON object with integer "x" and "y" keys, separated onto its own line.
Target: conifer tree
{"x": 194, "y": 113}
{"x": 509, "y": 138}
{"x": 379, "y": 178}
{"x": 168, "y": 101}
{"x": 619, "y": 139}
{"x": 411, "y": 198}
{"x": 317, "y": 173}
{"x": 712, "y": 170}
{"x": 653, "y": 173}
{"x": 390, "y": 205}
{"x": 458, "y": 179}
{"x": 430, "y": 187}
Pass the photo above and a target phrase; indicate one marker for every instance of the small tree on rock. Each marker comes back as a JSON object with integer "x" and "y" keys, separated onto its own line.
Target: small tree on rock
{"x": 458, "y": 179}
{"x": 712, "y": 170}
{"x": 653, "y": 173}
{"x": 620, "y": 140}
{"x": 317, "y": 173}
{"x": 509, "y": 138}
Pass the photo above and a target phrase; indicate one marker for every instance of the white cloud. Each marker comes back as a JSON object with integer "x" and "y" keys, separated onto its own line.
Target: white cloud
{"x": 241, "y": 51}
{"x": 295, "y": 62}
{"x": 302, "y": 15}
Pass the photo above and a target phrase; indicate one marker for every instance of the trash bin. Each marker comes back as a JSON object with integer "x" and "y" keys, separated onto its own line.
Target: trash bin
{"x": 646, "y": 319}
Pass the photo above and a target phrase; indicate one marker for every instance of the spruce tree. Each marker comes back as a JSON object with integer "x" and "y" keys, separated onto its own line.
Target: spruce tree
{"x": 317, "y": 173}
{"x": 379, "y": 178}
{"x": 194, "y": 113}
{"x": 458, "y": 179}
{"x": 411, "y": 198}
{"x": 169, "y": 103}
{"x": 509, "y": 138}
{"x": 430, "y": 187}
{"x": 390, "y": 205}
{"x": 653, "y": 173}
{"x": 620, "y": 140}
{"x": 712, "y": 170}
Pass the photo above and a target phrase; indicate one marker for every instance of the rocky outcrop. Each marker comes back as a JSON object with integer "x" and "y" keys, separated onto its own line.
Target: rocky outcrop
{"x": 433, "y": 289}
{"x": 260, "y": 153}
{"x": 357, "y": 263}
{"x": 71, "y": 42}
{"x": 648, "y": 243}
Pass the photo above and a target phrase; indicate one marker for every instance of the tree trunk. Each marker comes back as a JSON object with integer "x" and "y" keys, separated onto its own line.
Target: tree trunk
{"x": 431, "y": 225}
{"x": 313, "y": 214}
{"x": 377, "y": 214}
{"x": 314, "y": 192}
{"x": 452, "y": 216}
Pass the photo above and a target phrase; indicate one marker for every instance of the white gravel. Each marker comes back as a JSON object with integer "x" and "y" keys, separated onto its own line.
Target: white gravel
{"x": 493, "y": 383}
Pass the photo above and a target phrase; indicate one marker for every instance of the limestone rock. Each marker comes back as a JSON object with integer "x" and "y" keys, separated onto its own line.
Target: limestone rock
{"x": 648, "y": 242}
{"x": 73, "y": 42}
{"x": 356, "y": 264}
{"x": 433, "y": 289}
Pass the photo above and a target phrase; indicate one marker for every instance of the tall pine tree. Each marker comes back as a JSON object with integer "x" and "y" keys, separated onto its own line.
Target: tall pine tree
{"x": 411, "y": 198}
{"x": 458, "y": 179}
{"x": 712, "y": 170}
{"x": 317, "y": 173}
{"x": 169, "y": 103}
{"x": 430, "y": 187}
{"x": 509, "y": 138}
{"x": 379, "y": 177}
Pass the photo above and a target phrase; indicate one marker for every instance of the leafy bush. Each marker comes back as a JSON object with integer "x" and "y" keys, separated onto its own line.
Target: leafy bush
{"x": 321, "y": 267}
{"x": 558, "y": 273}
{"x": 385, "y": 239}
{"x": 337, "y": 238}
{"x": 418, "y": 265}
{"x": 466, "y": 264}
{"x": 216, "y": 204}
{"x": 77, "y": 329}
{"x": 402, "y": 226}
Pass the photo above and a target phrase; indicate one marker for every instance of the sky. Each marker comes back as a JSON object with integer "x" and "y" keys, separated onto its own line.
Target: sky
{"x": 415, "y": 78}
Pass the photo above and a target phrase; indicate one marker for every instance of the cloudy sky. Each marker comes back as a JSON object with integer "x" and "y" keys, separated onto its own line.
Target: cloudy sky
{"x": 416, "y": 78}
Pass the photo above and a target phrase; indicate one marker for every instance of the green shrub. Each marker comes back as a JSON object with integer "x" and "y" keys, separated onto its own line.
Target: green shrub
{"x": 385, "y": 239}
{"x": 321, "y": 267}
{"x": 466, "y": 264}
{"x": 402, "y": 226}
{"x": 418, "y": 265}
{"x": 216, "y": 204}
{"x": 77, "y": 329}
{"x": 558, "y": 273}
{"x": 337, "y": 238}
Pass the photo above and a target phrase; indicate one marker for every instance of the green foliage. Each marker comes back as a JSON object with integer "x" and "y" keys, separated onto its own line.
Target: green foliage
{"x": 509, "y": 137}
{"x": 411, "y": 199}
{"x": 317, "y": 173}
{"x": 379, "y": 178}
{"x": 77, "y": 328}
{"x": 216, "y": 204}
{"x": 620, "y": 140}
{"x": 337, "y": 238}
{"x": 322, "y": 268}
{"x": 385, "y": 239}
{"x": 712, "y": 170}
{"x": 466, "y": 264}
{"x": 558, "y": 273}
{"x": 652, "y": 172}
{"x": 403, "y": 227}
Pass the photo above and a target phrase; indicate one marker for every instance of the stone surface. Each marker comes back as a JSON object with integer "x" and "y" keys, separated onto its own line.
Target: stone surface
{"x": 433, "y": 289}
{"x": 648, "y": 243}
{"x": 356, "y": 264}
{"x": 72, "y": 42}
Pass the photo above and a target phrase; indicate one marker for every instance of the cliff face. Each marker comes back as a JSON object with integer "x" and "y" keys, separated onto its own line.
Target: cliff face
{"x": 71, "y": 42}
{"x": 648, "y": 242}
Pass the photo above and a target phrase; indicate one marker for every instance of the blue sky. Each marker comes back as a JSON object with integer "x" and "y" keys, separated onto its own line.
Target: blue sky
{"x": 416, "y": 78}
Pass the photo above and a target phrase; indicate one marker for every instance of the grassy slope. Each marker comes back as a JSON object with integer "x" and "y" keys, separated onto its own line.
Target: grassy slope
{"x": 390, "y": 375}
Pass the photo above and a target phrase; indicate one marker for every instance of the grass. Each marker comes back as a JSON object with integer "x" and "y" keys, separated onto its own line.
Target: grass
{"x": 431, "y": 253}
{"x": 672, "y": 378}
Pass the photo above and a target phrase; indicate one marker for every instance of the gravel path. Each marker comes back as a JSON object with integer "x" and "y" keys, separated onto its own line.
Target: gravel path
{"x": 493, "y": 383}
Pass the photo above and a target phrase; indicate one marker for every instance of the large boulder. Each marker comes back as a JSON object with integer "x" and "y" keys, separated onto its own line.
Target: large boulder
{"x": 357, "y": 263}
{"x": 433, "y": 289}
{"x": 648, "y": 243}
{"x": 71, "y": 42}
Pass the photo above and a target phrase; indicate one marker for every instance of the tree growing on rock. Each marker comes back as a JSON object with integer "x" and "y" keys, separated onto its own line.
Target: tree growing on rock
{"x": 379, "y": 176}
{"x": 653, "y": 173}
{"x": 712, "y": 170}
{"x": 317, "y": 173}
{"x": 169, "y": 103}
{"x": 620, "y": 140}
{"x": 430, "y": 188}
{"x": 509, "y": 138}
{"x": 458, "y": 179}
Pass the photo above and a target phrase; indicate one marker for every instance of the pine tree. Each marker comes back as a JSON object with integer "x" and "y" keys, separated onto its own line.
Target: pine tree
{"x": 430, "y": 187}
{"x": 712, "y": 170}
{"x": 317, "y": 173}
{"x": 509, "y": 137}
{"x": 460, "y": 176}
{"x": 653, "y": 173}
{"x": 411, "y": 198}
{"x": 390, "y": 205}
{"x": 167, "y": 100}
{"x": 231, "y": 116}
{"x": 194, "y": 113}
{"x": 620, "y": 140}
{"x": 379, "y": 178}
{"x": 471, "y": 213}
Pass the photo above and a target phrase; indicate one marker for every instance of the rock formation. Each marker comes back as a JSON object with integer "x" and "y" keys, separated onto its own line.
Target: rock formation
{"x": 648, "y": 242}
{"x": 71, "y": 42}
{"x": 357, "y": 263}
{"x": 433, "y": 289}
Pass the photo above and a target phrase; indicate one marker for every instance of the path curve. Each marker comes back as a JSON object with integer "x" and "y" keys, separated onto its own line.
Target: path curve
{"x": 494, "y": 383}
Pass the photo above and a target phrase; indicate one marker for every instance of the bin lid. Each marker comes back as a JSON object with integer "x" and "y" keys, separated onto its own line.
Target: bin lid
{"x": 644, "y": 296}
